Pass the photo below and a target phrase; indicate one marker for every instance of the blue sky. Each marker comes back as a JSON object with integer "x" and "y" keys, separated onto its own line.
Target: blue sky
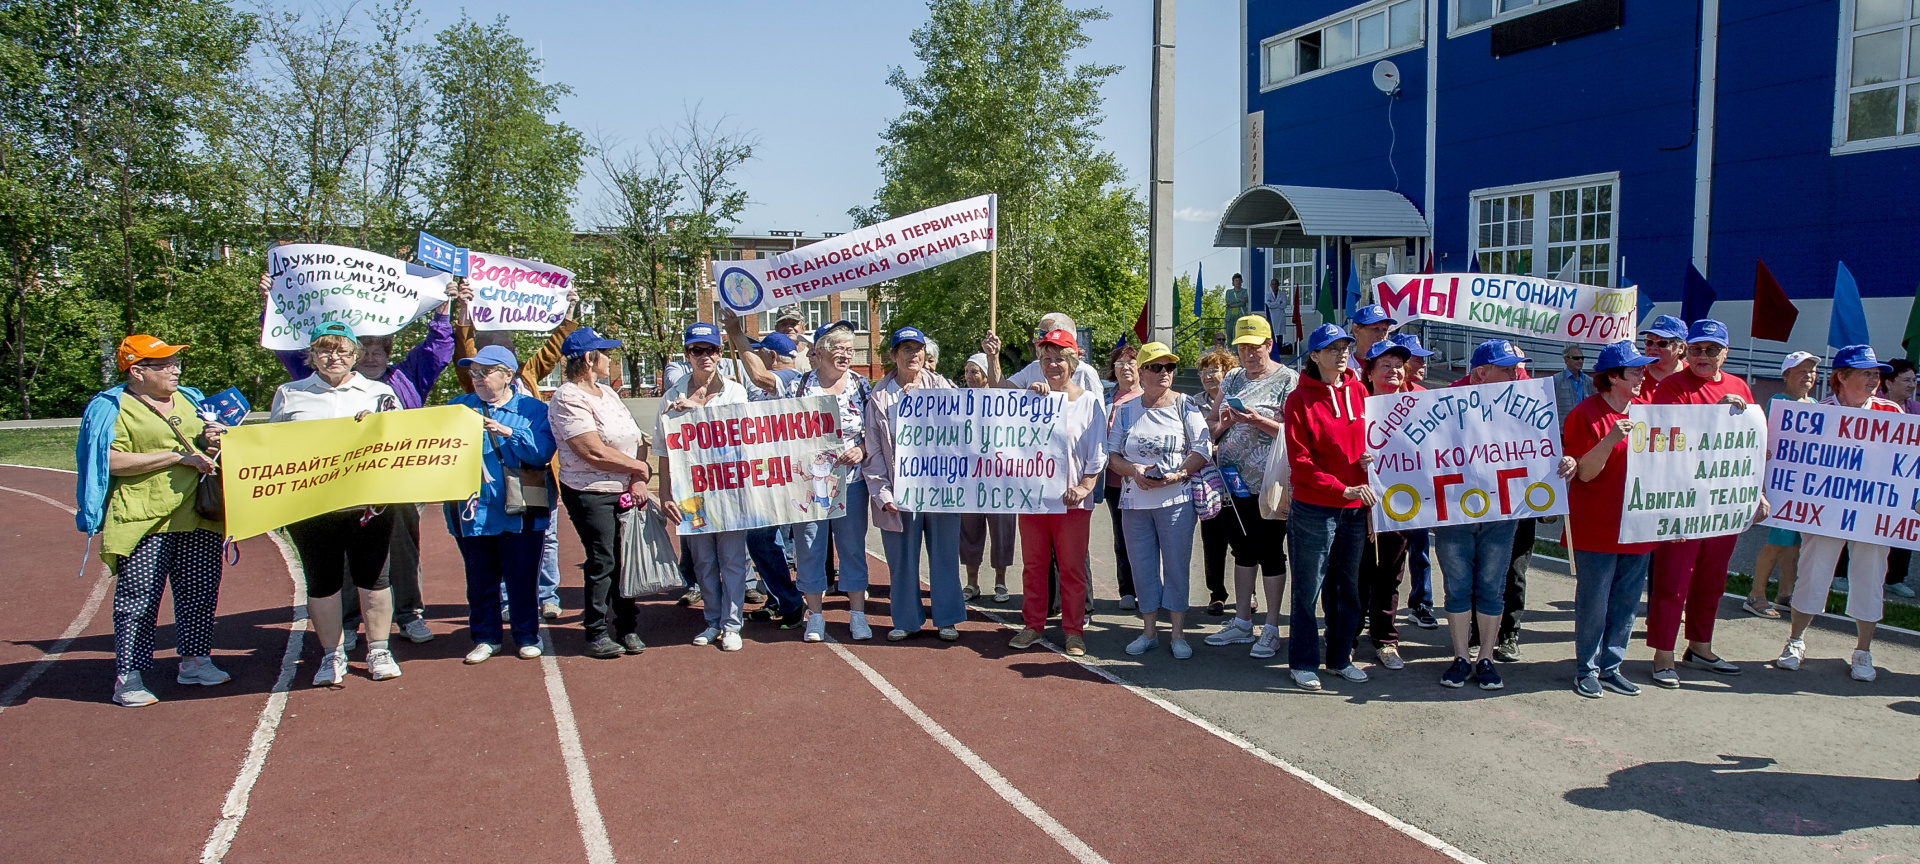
{"x": 810, "y": 80}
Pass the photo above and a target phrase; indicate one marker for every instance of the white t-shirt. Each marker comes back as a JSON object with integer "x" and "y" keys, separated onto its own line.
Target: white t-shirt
{"x": 1159, "y": 437}
{"x": 731, "y": 393}
{"x": 1084, "y": 422}
{"x": 1083, "y": 375}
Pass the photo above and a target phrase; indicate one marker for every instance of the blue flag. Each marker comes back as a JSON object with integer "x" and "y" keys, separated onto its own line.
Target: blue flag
{"x": 1473, "y": 263}
{"x": 1696, "y": 299}
{"x": 1640, "y": 297}
{"x": 1848, "y": 326}
{"x": 1199, "y": 288}
{"x": 1353, "y": 287}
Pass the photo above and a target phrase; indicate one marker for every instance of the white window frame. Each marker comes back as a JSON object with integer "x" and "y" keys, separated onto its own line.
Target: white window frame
{"x": 1353, "y": 14}
{"x": 1540, "y": 192}
{"x": 1454, "y": 28}
{"x": 1843, "y": 88}
{"x": 862, "y": 323}
{"x": 815, "y": 314}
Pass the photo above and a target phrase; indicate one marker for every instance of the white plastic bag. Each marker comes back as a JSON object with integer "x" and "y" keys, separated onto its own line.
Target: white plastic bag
{"x": 1276, "y": 497}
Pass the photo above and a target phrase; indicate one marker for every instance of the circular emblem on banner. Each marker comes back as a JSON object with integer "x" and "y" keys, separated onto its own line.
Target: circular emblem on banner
{"x": 739, "y": 290}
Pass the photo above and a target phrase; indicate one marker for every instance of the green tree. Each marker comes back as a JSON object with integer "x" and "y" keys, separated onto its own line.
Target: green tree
{"x": 997, "y": 106}
{"x": 1195, "y": 339}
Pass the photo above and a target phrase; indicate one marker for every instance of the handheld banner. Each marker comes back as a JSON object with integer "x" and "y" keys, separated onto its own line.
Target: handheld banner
{"x": 978, "y": 451}
{"x": 1845, "y": 472}
{"x": 1465, "y": 455}
{"x": 1522, "y": 305}
{"x": 512, "y": 294}
{"x": 874, "y": 254}
{"x": 441, "y": 255}
{"x": 315, "y": 283}
{"x": 275, "y": 474}
{"x": 755, "y": 464}
{"x": 1693, "y": 471}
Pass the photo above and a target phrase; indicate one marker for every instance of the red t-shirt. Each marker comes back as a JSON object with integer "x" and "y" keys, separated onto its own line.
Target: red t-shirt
{"x": 1596, "y": 504}
{"x": 1685, "y": 388}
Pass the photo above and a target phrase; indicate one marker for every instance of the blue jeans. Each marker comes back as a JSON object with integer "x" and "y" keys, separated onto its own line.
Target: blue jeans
{"x": 1473, "y": 563}
{"x": 720, "y": 563}
{"x": 763, "y": 545}
{"x": 510, "y": 557}
{"x": 1419, "y": 571}
{"x": 1160, "y": 546}
{"x": 940, "y": 532}
{"x": 1606, "y": 596}
{"x": 848, "y": 534}
{"x": 550, "y": 560}
{"x": 1326, "y": 544}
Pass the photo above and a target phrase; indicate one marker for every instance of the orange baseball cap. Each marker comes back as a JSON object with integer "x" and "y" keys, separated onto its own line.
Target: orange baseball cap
{"x": 140, "y": 346}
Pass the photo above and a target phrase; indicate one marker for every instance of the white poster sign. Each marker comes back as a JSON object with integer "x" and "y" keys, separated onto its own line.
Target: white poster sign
{"x": 1465, "y": 455}
{"x": 1845, "y": 472}
{"x": 1693, "y": 471}
{"x": 874, "y": 254}
{"x": 1521, "y": 305}
{"x": 978, "y": 451}
{"x": 314, "y": 283}
{"x": 514, "y": 294}
{"x": 755, "y": 464}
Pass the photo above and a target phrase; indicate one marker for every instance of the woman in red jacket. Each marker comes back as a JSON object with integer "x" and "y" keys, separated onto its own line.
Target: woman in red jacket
{"x": 1326, "y": 439}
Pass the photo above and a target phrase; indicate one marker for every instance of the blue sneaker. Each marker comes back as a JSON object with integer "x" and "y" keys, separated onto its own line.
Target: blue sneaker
{"x": 1457, "y": 674}
{"x": 1489, "y": 679}
{"x": 1618, "y": 683}
{"x": 1588, "y": 686}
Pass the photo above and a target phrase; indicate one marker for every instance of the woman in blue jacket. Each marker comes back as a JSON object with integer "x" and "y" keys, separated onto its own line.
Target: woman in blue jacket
{"x": 499, "y": 546}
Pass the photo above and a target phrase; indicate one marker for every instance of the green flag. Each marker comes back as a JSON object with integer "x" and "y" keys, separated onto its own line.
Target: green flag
{"x": 1911, "y": 341}
{"x": 1324, "y": 303}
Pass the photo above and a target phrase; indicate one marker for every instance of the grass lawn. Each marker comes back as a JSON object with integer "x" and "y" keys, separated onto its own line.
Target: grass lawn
{"x": 45, "y": 448}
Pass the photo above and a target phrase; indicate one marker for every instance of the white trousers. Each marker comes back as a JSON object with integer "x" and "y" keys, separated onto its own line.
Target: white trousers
{"x": 1866, "y": 576}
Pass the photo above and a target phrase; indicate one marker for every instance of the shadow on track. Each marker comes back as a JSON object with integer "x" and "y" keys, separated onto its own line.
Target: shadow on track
{"x": 1739, "y": 794}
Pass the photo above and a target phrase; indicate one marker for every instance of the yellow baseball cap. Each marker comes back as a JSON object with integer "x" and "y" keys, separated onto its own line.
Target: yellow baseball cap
{"x": 140, "y": 346}
{"x": 1153, "y": 352}
{"x": 1251, "y": 330}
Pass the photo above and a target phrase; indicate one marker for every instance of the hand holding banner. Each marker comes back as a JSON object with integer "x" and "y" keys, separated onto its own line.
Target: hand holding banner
{"x": 1465, "y": 455}
{"x": 1693, "y": 471}
{"x": 515, "y": 294}
{"x": 979, "y": 451}
{"x": 1845, "y": 472}
{"x": 314, "y": 283}
{"x": 1523, "y": 305}
{"x": 755, "y": 464}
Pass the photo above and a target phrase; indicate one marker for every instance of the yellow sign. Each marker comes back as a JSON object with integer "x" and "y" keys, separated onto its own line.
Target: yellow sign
{"x": 279, "y": 473}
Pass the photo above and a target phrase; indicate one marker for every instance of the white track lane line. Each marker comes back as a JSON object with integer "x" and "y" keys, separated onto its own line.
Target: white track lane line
{"x": 586, "y": 807}
{"x": 234, "y": 809}
{"x": 1000, "y": 785}
{"x": 59, "y": 647}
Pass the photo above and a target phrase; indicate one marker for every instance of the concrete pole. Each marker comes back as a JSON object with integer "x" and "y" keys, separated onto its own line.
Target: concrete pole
{"x": 1160, "y": 205}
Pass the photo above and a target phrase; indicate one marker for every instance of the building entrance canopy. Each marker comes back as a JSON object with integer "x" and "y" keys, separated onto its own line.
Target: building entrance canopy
{"x": 1299, "y": 217}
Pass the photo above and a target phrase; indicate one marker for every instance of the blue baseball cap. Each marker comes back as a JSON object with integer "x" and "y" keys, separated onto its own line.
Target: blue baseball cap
{"x": 1372, "y": 315}
{"x": 1497, "y": 352}
{"x": 1411, "y": 342}
{"x": 1707, "y": 330}
{"x": 906, "y": 334}
{"x": 1385, "y": 346}
{"x": 583, "y": 339}
{"x": 1324, "y": 335}
{"x": 1859, "y": 357}
{"x": 330, "y": 328}
{"x": 493, "y": 355}
{"x": 829, "y": 328}
{"x": 702, "y": 333}
{"x": 1667, "y": 326}
{"x": 778, "y": 343}
{"x": 1620, "y": 355}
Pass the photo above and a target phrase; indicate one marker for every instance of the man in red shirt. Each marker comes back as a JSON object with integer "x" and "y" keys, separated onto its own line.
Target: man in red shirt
{"x": 1690, "y": 575}
{"x": 1666, "y": 340}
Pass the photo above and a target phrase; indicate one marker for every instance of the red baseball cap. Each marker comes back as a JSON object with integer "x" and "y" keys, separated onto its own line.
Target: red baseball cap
{"x": 140, "y": 346}
{"x": 1060, "y": 338}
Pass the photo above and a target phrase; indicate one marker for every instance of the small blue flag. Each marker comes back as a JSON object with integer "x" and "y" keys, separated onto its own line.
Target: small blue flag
{"x": 1199, "y": 288}
{"x": 441, "y": 255}
{"x": 1353, "y": 287}
{"x": 229, "y": 406}
{"x": 1848, "y": 326}
{"x": 1696, "y": 299}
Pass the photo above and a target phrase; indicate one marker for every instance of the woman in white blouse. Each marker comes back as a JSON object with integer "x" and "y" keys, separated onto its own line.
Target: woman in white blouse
{"x": 1158, "y": 441}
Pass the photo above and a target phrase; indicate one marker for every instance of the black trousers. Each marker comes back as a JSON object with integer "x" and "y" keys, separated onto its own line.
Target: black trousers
{"x": 1213, "y": 548}
{"x": 596, "y": 518}
{"x": 1119, "y": 544}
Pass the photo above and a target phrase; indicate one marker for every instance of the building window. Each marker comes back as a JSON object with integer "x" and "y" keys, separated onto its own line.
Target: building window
{"x": 1538, "y": 229}
{"x": 728, "y": 253}
{"x": 1294, "y": 269}
{"x": 815, "y": 312}
{"x": 855, "y": 311}
{"x": 1879, "y": 94}
{"x": 1471, "y": 15}
{"x": 887, "y": 309}
{"x": 1358, "y": 35}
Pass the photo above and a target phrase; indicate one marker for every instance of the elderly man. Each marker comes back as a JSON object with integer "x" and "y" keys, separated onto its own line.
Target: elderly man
{"x": 1570, "y": 385}
{"x": 1666, "y": 343}
{"x": 790, "y": 323}
{"x": 1030, "y": 377}
{"x": 1370, "y": 325}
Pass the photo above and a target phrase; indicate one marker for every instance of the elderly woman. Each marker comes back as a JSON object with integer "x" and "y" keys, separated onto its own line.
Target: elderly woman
{"x": 1123, "y": 369}
{"x": 349, "y": 543}
{"x": 975, "y": 527}
{"x": 1381, "y": 561}
{"x": 832, "y": 375}
{"x": 1856, "y": 378}
{"x": 1326, "y": 438}
{"x": 1247, "y": 421}
{"x": 1049, "y": 537}
{"x": 1215, "y": 366}
{"x": 719, "y": 557}
{"x": 500, "y": 546}
{"x": 1157, "y": 442}
{"x": 136, "y": 488}
{"x": 1799, "y": 371}
{"x": 903, "y": 532}
{"x": 603, "y": 471}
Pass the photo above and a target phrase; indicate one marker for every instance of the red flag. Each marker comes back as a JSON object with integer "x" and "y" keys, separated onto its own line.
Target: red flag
{"x": 1140, "y": 323}
{"x": 1773, "y": 313}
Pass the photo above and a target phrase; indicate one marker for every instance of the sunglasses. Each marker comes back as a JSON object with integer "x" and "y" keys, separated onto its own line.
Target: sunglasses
{"x": 701, "y": 350}
{"x": 1162, "y": 367}
{"x": 1704, "y": 349}
{"x": 1658, "y": 343}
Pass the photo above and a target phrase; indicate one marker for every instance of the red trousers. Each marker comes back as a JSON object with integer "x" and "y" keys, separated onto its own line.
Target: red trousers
{"x": 1688, "y": 575}
{"x": 1045, "y": 539}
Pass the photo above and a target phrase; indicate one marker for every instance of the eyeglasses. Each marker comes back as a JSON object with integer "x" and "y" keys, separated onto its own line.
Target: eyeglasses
{"x": 1658, "y": 343}
{"x": 1704, "y": 349}
{"x": 337, "y": 354}
{"x": 169, "y": 366}
{"x": 1162, "y": 367}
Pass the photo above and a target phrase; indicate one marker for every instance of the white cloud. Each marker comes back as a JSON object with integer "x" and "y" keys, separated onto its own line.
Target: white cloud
{"x": 1195, "y": 214}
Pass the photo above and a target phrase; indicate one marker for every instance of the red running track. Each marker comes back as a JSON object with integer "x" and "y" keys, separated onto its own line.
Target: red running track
{"x": 782, "y": 751}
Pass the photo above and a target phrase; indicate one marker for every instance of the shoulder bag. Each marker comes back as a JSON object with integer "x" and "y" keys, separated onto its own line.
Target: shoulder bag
{"x": 209, "y": 496}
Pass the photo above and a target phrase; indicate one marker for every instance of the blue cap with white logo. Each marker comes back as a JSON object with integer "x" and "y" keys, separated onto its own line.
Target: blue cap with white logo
{"x": 702, "y": 333}
{"x": 1411, "y": 342}
{"x": 1668, "y": 326}
{"x": 1374, "y": 314}
{"x": 778, "y": 343}
{"x": 1324, "y": 335}
{"x": 829, "y": 328}
{"x": 1497, "y": 352}
{"x": 493, "y": 355}
{"x": 906, "y": 334}
{"x": 583, "y": 339}
{"x": 1859, "y": 357}
{"x": 1707, "y": 330}
{"x": 1387, "y": 345}
{"x": 1621, "y": 355}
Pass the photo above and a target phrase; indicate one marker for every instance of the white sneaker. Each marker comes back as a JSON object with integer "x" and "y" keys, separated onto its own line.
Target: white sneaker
{"x": 857, "y": 623}
{"x": 529, "y": 652}
{"x": 481, "y": 652}
{"x": 349, "y": 640}
{"x": 707, "y": 636}
{"x": 1791, "y": 655}
{"x": 130, "y": 691}
{"x": 1305, "y": 679}
{"x": 332, "y": 671}
{"x": 417, "y": 631}
{"x": 1000, "y": 594}
{"x": 381, "y": 665}
{"x": 200, "y": 670}
{"x": 1234, "y": 632}
{"x": 1390, "y": 657}
{"x": 1127, "y": 602}
{"x": 730, "y": 641}
{"x": 1353, "y": 673}
{"x": 1141, "y": 644}
{"x": 816, "y": 628}
{"x": 1181, "y": 650}
{"x": 1268, "y": 644}
{"x": 1863, "y": 666}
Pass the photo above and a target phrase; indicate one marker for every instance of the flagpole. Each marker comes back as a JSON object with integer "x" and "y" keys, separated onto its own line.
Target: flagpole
{"x": 993, "y": 290}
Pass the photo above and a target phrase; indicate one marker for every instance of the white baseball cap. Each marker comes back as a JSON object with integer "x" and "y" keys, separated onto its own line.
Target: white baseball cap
{"x": 1795, "y": 359}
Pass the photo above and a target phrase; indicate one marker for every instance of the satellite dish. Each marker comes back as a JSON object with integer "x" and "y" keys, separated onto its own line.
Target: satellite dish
{"x": 1386, "y": 76}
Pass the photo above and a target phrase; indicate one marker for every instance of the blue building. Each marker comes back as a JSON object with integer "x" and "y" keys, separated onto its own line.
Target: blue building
{"x": 1604, "y": 139}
